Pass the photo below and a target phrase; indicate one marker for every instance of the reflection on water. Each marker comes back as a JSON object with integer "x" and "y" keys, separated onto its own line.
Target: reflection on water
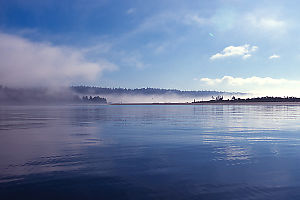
{"x": 150, "y": 152}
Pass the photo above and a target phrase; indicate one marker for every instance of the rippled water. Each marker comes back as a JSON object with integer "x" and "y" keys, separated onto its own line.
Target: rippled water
{"x": 150, "y": 152}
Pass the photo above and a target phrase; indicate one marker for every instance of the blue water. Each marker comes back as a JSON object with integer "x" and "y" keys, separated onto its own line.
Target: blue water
{"x": 150, "y": 152}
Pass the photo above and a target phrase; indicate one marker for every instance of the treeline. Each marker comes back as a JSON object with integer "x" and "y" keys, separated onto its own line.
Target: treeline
{"x": 88, "y": 90}
{"x": 267, "y": 99}
{"x": 256, "y": 99}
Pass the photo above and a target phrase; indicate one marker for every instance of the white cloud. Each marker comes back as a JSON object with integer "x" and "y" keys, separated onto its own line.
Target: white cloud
{"x": 274, "y": 56}
{"x": 243, "y": 51}
{"x": 255, "y": 85}
{"x": 27, "y": 63}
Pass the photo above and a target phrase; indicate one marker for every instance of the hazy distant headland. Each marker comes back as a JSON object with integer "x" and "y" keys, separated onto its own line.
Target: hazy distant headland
{"x": 266, "y": 99}
{"x": 101, "y": 95}
{"x": 151, "y": 95}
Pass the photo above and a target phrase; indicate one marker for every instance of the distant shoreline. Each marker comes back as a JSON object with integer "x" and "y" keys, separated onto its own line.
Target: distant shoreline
{"x": 208, "y": 103}
{"x": 234, "y": 101}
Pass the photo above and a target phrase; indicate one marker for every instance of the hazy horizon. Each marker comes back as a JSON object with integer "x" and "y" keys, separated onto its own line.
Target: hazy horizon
{"x": 62, "y": 95}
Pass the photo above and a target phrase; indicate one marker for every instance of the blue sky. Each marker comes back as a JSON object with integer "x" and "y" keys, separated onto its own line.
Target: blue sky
{"x": 232, "y": 45}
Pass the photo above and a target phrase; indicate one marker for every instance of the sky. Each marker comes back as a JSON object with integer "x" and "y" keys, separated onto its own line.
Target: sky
{"x": 225, "y": 45}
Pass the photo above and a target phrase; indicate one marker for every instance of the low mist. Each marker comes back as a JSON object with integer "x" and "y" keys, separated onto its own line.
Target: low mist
{"x": 39, "y": 96}
{"x": 165, "y": 98}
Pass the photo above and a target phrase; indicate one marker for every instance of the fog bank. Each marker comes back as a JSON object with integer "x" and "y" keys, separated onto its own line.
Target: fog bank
{"x": 151, "y": 95}
{"x": 25, "y": 63}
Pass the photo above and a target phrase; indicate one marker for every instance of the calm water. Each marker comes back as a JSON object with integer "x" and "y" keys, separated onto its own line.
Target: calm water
{"x": 150, "y": 152}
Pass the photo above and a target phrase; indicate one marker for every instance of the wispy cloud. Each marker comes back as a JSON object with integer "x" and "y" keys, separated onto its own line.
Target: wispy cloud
{"x": 243, "y": 51}
{"x": 232, "y": 81}
{"x": 265, "y": 23}
{"x": 130, "y": 11}
{"x": 256, "y": 21}
{"x": 27, "y": 63}
{"x": 157, "y": 23}
{"x": 192, "y": 19}
{"x": 274, "y": 56}
{"x": 132, "y": 59}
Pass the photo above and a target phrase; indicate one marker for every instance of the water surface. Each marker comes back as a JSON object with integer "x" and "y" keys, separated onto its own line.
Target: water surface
{"x": 150, "y": 152}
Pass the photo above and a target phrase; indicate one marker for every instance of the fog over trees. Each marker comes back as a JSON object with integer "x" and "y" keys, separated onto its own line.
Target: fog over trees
{"x": 44, "y": 96}
{"x": 100, "y": 95}
{"x": 149, "y": 95}
{"x": 148, "y": 91}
